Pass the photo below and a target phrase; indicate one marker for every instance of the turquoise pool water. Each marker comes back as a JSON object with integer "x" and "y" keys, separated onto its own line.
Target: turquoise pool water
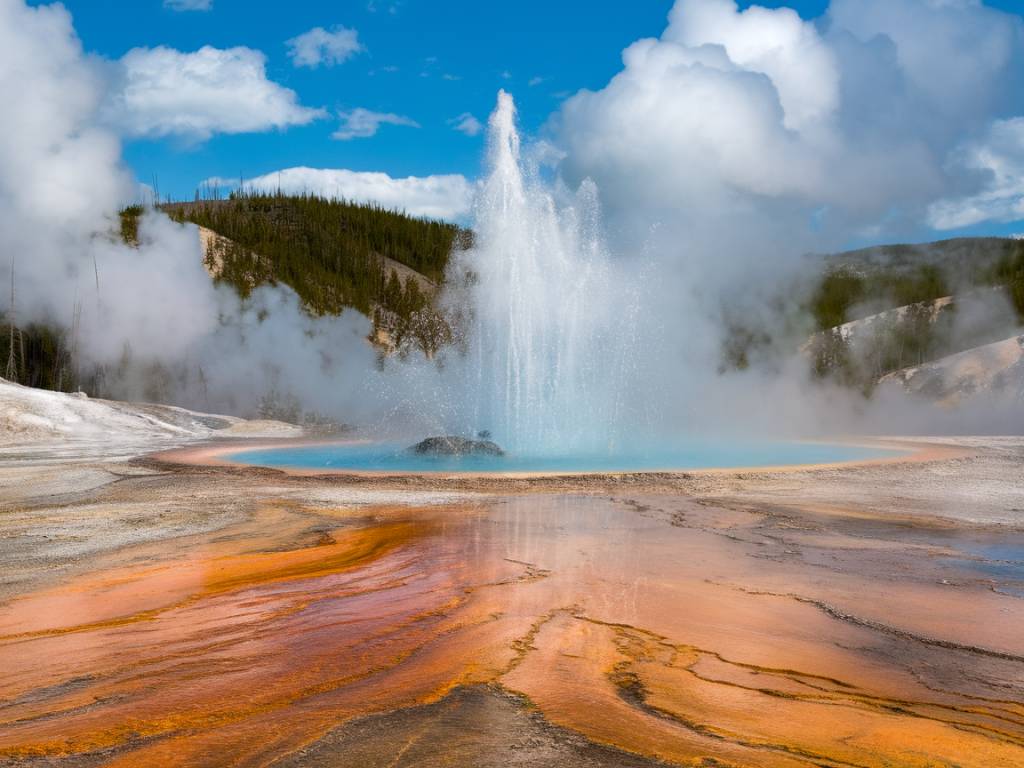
{"x": 682, "y": 455}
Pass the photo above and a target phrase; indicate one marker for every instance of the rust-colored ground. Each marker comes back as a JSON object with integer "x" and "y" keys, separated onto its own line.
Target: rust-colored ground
{"x": 692, "y": 631}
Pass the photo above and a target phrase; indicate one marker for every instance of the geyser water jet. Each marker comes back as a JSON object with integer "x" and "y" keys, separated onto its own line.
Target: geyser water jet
{"x": 551, "y": 344}
{"x": 551, "y": 329}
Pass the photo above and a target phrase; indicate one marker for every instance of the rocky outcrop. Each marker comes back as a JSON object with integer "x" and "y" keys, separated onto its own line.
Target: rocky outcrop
{"x": 448, "y": 445}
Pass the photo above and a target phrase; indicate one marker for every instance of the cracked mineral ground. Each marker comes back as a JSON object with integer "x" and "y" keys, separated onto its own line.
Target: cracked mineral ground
{"x": 844, "y": 616}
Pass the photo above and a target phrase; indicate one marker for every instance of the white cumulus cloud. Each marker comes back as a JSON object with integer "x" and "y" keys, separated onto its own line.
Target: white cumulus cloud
{"x": 960, "y": 56}
{"x": 776, "y": 43}
{"x": 800, "y": 127}
{"x": 999, "y": 159}
{"x": 466, "y": 123}
{"x": 320, "y": 46}
{"x": 189, "y": 5}
{"x": 441, "y": 196}
{"x": 361, "y": 123}
{"x": 165, "y": 92}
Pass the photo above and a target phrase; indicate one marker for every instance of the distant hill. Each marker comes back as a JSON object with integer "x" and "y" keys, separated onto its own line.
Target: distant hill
{"x": 883, "y": 310}
{"x": 859, "y": 283}
{"x": 335, "y": 255}
{"x": 959, "y": 256}
{"x": 864, "y": 316}
{"x": 329, "y": 251}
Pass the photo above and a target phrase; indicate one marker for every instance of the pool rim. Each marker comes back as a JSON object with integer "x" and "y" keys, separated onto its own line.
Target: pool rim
{"x": 215, "y": 453}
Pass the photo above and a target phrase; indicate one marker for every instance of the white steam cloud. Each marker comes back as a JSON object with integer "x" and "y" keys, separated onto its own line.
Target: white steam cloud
{"x": 150, "y": 316}
{"x": 739, "y": 140}
{"x": 833, "y": 126}
{"x": 721, "y": 151}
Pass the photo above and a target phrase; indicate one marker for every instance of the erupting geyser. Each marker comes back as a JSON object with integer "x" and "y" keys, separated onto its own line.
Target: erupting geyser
{"x": 549, "y": 362}
{"x": 550, "y": 329}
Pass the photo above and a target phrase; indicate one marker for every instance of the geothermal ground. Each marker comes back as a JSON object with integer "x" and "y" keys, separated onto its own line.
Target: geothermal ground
{"x": 157, "y": 614}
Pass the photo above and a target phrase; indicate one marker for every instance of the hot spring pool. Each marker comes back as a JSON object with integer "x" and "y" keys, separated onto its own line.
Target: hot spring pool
{"x": 689, "y": 455}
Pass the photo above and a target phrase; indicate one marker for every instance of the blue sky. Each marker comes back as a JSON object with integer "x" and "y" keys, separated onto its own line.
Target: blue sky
{"x": 573, "y": 48}
{"x": 425, "y": 61}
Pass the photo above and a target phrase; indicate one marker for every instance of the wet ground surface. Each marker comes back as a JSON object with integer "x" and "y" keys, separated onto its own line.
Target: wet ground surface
{"x": 478, "y": 726}
{"x": 207, "y": 618}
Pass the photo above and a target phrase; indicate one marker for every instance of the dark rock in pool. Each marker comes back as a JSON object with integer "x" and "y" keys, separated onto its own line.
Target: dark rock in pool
{"x": 456, "y": 446}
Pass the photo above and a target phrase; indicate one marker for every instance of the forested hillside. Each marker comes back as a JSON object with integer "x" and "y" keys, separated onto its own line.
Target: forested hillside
{"x": 329, "y": 251}
{"x": 860, "y": 283}
{"x": 335, "y": 255}
{"x": 884, "y": 309}
{"x": 873, "y": 312}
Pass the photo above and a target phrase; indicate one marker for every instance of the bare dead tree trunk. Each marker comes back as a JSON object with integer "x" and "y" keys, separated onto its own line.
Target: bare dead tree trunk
{"x": 24, "y": 358}
{"x": 75, "y": 322}
{"x": 11, "y": 373}
{"x": 204, "y": 387}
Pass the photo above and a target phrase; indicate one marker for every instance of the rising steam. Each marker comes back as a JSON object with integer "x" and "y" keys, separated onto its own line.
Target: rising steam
{"x": 720, "y": 152}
